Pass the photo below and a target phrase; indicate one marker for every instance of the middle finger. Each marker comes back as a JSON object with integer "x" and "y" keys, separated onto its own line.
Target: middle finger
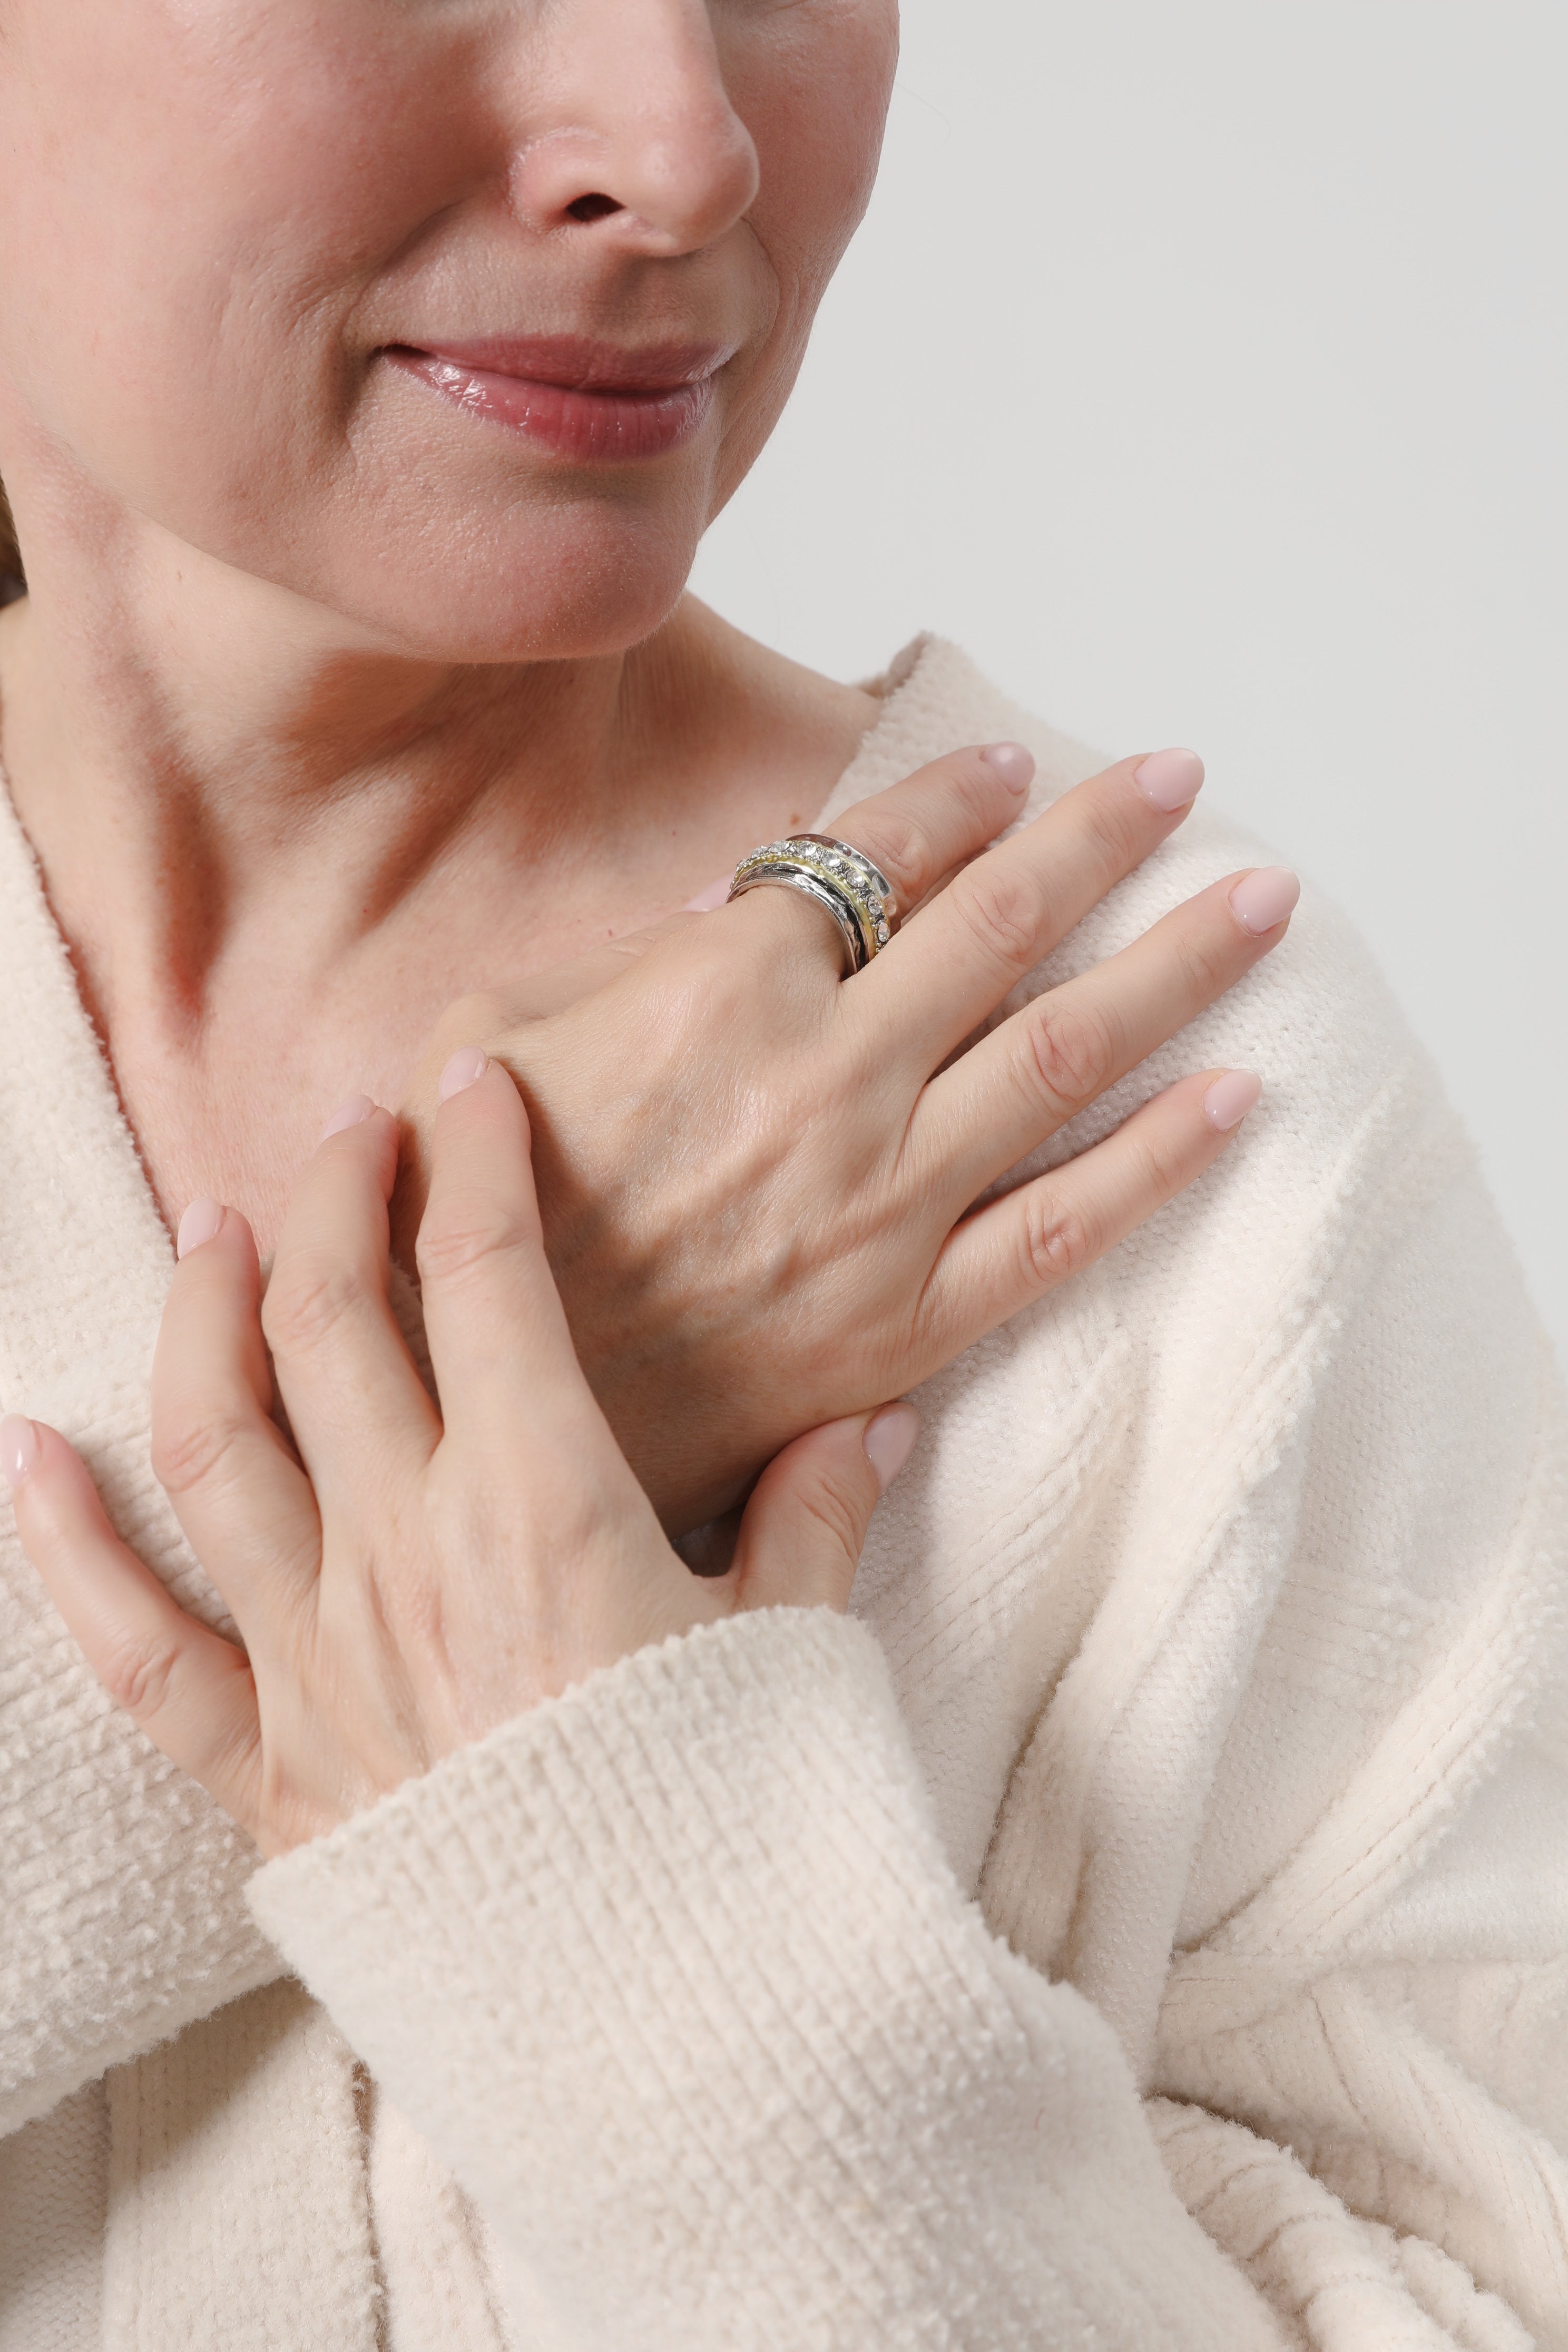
{"x": 1049, "y": 1062}
{"x": 357, "y": 1407}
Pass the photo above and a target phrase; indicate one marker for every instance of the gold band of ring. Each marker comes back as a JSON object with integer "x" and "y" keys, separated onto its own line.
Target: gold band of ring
{"x": 840, "y": 877}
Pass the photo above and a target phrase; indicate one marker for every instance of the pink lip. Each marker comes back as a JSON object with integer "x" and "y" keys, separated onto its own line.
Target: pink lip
{"x": 586, "y": 401}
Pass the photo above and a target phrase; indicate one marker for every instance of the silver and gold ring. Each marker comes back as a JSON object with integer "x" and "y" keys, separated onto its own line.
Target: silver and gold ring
{"x": 838, "y": 877}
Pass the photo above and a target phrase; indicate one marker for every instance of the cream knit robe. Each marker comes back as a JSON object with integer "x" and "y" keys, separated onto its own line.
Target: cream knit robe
{"x": 1140, "y": 1924}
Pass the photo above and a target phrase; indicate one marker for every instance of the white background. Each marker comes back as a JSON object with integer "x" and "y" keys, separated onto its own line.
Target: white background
{"x": 1201, "y": 367}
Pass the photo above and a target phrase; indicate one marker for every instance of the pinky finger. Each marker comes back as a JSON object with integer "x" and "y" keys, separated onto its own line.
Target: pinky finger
{"x": 1018, "y": 1248}
{"x": 191, "y": 1691}
{"x": 800, "y": 1539}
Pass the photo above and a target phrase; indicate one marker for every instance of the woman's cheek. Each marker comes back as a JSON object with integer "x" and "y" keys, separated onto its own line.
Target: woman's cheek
{"x": 812, "y": 83}
{"x": 180, "y": 351}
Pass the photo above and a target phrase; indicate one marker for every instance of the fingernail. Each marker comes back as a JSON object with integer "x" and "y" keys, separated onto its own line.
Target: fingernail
{"x": 1230, "y": 1098}
{"x": 20, "y": 1451}
{"x": 467, "y": 1066}
{"x": 201, "y": 1222}
{"x": 1261, "y": 901}
{"x": 890, "y": 1441}
{"x": 1014, "y": 762}
{"x": 354, "y": 1113}
{"x": 706, "y": 901}
{"x": 1170, "y": 781}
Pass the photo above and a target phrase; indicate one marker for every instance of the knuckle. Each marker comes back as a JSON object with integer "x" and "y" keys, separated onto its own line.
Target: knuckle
{"x": 1003, "y": 913}
{"x": 1059, "y": 1240}
{"x": 903, "y": 851}
{"x": 976, "y": 786}
{"x": 1163, "y": 1167}
{"x": 838, "y": 1513}
{"x": 190, "y": 1448}
{"x": 1068, "y": 1053}
{"x": 306, "y": 1303}
{"x": 1208, "y": 963}
{"x": 457, "y": 1249}
{"x": 1110, "y": 824}
{"x": 958, "y": 797}
{"x": 970, "y": 795}
{"x": 138, "y": 1670}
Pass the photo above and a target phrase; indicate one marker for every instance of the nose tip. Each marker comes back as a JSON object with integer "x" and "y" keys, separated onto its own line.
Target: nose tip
{"x": 671, "y": 186}
{"x": 692, "y": 189}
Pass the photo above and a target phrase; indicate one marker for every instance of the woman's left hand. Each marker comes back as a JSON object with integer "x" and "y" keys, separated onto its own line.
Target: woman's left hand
{"x": 408, "y": 1578}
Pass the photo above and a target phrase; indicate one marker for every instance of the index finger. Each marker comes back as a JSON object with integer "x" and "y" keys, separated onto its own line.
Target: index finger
{"x": 923, "y": 828}
{"x": 934, "y": 984}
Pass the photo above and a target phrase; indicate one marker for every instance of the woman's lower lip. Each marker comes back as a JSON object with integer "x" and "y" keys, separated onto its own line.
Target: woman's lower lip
{"x": 603, "y": 428}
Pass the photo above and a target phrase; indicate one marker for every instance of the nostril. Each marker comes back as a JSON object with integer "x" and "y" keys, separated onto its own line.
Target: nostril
{"x": 594, "y": 207}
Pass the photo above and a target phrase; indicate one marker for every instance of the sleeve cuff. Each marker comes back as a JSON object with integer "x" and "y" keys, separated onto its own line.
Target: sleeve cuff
{"x": 674, "y": 1976}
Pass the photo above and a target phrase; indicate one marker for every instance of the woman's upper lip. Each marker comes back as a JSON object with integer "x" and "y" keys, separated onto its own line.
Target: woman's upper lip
{"x": 578, "y": 364}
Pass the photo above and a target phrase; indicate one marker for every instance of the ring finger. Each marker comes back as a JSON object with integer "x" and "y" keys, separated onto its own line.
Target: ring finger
{"x": 1015, "y": 1250}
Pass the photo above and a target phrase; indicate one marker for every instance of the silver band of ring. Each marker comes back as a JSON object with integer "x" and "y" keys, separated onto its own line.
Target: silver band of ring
{"x": 840, "y": 877}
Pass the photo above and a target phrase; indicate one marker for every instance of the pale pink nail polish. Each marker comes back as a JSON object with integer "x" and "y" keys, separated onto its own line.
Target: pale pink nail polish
{"x": 707, "y": 899}
{"x": 201, "y": 1222}
{"x": 354, "y": 1113}
{"x": 1261, "y": 901}
{"x": 20, "y": 1451}
{"x": 1014, "y": 762}
{"x": 890, "y": 1441}
{"x": 465, "y": 1068}
{"x": 1170, "y": 781}
{"x": 1230, "y": 1098}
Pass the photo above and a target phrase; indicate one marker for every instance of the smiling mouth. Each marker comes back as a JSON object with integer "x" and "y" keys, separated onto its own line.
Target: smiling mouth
{"x": 586, "y": 401}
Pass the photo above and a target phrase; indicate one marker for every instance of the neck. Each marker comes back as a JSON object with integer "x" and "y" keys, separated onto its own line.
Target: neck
{"x": 277, "y": 856}
{"x": 277, "y": 853}
{"x": 191, "y": 752}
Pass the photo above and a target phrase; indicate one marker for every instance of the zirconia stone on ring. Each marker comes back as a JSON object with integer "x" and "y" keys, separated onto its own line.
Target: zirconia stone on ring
{"x": 840, "y": 877}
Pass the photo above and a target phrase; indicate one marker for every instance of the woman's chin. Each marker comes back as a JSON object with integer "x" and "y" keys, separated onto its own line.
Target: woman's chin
{"x": 496, "y": 608}
{"x": 525, "y": 629}
{"x": 579, "y": 588}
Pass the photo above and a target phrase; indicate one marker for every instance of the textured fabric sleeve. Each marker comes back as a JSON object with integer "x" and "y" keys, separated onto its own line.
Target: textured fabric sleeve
{"x": 1388, "y": 2014}
{"x": 1388, "y": 2002}
{"x": 1362, "y": 2033}
{"x": 1294, "y": 1814}
{"x": 673, "y": 1974}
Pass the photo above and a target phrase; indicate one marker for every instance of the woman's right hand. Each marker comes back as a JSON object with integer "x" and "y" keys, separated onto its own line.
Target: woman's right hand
{"x": 758, "y": 1181}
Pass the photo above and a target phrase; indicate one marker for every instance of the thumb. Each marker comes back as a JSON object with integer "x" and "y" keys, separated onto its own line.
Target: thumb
{"x": 800, "y": 1539}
